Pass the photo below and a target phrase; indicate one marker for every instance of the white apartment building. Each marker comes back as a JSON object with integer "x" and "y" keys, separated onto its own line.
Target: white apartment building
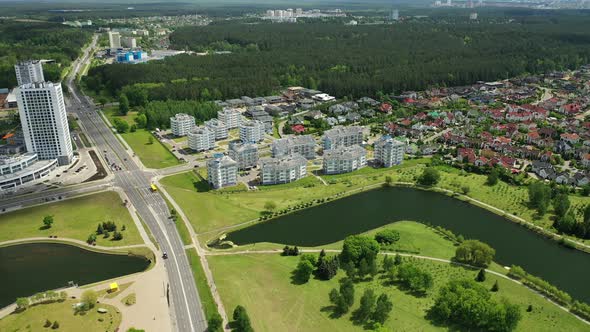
{"x": 201, "y": 139}
{"x": 222, "y": 172}
{"x": 344, "y": 159}
{"x": 303, "y": 145}
{"x": 245, "y": 154}
{"x": 282, "y": 170}
{"x": 252, "y": 131}
{"x": 388, "y": 151}
{"x": 219, "y": 128}
{"x": 231, "y": 117}
{"x": 114, "y": 39}
{"x": 181, "y": 124}
{"x": 342, "y": 137}
{"x": 44, "y": 121}
{"x": 17, "y": 170}
{"x": 128, "y": 42}
{"x": 28, "y": 72}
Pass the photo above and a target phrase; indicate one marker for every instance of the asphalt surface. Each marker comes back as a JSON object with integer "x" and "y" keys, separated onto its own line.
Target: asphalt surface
{"x": 187, "y": 309}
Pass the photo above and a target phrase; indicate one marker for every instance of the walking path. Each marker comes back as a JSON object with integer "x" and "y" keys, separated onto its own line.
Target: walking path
{"x": 442, "y": 260}
{"x": 73, "y": 241}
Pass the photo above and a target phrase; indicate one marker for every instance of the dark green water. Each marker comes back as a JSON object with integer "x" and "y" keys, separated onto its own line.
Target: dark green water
{"x": 26, "y": 269}
{"x": 566, "y": 268}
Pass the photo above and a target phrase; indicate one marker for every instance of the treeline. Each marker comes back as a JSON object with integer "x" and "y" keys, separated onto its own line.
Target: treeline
{"x": 158, "y": 113}
{"x": 30, "y": 40}
{"x": 360, "y": 60}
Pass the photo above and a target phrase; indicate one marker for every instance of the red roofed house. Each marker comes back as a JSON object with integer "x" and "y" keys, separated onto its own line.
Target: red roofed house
{"x": 298, "y": 128}
{"x": 586, "y": 160}
{"x": 570, "y": 108}
{"x": 465, "y": 155}
{"x": 570, "y": 138}
{"x": 385, "y": 108}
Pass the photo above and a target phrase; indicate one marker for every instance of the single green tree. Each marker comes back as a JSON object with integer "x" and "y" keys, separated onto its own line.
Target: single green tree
{"x": 89, "y": 298}
{"x": 429, "y": 177}
{"x": 383, "y": 307}
{"x": 492, "y": 179}
{"x": 123, "y": 105}
{"x": 47, "y": 221}
{"x": 99, "y": 229}
{"x": 495, "y": 287}
{"x": 303, "y": 271}
{"x": 150, "y": 140}
{"x": 22, "y": 303}
{"x": 365, "y": 310}
{"x": 55, "y": 325}
{"x": 215, "y": 323}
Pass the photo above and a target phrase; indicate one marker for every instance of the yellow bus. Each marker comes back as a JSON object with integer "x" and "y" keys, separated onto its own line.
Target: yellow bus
{"x": 153, "y": 188}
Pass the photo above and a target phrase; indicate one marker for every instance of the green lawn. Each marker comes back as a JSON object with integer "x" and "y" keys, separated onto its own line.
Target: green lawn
{"x": 34, "y": 318}
{"x": 154, "y": 155}
{"x": 415, "y": 238}
{"x": 73, "y": 218}
{"x": 209, "y": 306}
{"x": 261, "y": 283}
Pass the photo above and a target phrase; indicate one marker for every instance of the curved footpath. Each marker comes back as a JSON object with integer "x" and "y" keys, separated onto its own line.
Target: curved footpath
{"x": 442, "y": 260}
{"x": 78, "y": 243}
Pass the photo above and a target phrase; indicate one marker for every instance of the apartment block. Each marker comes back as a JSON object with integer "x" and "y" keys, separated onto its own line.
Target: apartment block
{"x": 245, "y": 154}
{"x": 201, "y": 139}
{"x": 231, "y": 117}
{"x": 388, "y": 151}
{"x": 344, "y": 159}
{"x": 303, "y": 145}
{"x": 181, "y": 124}
{"x": 342, "y": 137}
{"x": 222, "y": 172}
{"x": 282, "y": 170}
{"x": 252, "y": 131}
{"x": 219, "y": 128}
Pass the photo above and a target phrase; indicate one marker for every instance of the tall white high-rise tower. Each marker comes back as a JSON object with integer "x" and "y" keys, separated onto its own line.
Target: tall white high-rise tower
{"x": 29, "y": 72}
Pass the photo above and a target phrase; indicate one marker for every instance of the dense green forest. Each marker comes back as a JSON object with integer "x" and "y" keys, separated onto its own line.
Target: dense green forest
{"x": 30, "y": 40}
{"x": 353, "y": 60}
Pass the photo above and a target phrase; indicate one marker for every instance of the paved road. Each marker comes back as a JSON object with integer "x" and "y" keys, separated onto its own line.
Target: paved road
{"x": 151, "y": 207}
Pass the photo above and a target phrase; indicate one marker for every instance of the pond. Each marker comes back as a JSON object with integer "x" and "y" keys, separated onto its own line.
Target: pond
{"x": 26, "y": 269}
{"x": 568, "y": 269}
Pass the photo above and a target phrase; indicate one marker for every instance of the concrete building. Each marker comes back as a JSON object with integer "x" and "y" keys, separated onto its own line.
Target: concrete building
{"x": 222, "y": 172}
{"x": 219, "y": 128}
{"x": 388, "y": 151}
{"x": 201, "y": 139}
{"x": 20, "y": 169}
{"x": 245, "y": 154}
{"x": 128, "y": 42}
{"x": 342, "y": 137}
{"x": 114, "y": 39}
{"x": 282, "y": 170}
{"x": 344, "y": 159}
{"x": 231, "y": 117}
{"x": 303, "y": 145}
{"x": 44, "y": 121}
{"x": 28, "y": 72}
{"x": 252, "y": 131}
{"x": 181, "y": 124}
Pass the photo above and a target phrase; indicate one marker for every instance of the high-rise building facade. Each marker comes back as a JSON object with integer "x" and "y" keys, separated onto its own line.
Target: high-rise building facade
{"x": 231, "y": 117}
{"x": 219, "y": 128}
{"x": 388, "y": 151}
{"x": 28, "y": 72}
{"x": 201, "y": 139}
{"x": 44, "y": 121}
{"x": 245, "y": 154}
{"x": 114, "y": 39}
{"x": 222, "y": 172}
{"x": 181, "y": 124}
{"x": 252, "y": 131}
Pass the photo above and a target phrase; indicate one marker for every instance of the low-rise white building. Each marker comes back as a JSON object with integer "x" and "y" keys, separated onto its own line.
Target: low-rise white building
{"x": 245, "y": 154}
{"x": 252, "y": 131}
{"x": 231, "y": 117}
{"x": 181, "y": 124}
{"x": 389, "y": 151}
{"x": 344, "y": 159}
{"x": 303, "y": 145}
{"x": 342, "y": 137}
{"x": 219, "y": 128}
{"x": 17, "y": 170}
{"x": 201, "y": 139}
{"x": 282, "y": 170}
{"x": 222, "y": 172}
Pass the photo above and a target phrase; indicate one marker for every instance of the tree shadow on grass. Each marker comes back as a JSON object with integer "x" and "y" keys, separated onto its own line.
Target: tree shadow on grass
{"x": 333, "y": 310}
{"x": 44, "y": 227}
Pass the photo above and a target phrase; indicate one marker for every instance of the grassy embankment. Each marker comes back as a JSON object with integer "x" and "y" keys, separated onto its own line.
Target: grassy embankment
{"x": 154, "y": 155}
{"x": 274, "y": 303}
{"x": 33, "y": 319}
{"x": 74, "y": 218}
{"x": 209, "y": 306}
{"x": 210, "y": 210}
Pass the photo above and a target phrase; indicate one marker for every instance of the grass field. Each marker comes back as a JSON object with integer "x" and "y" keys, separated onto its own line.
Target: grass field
{"x": 264, "y": 288}
{"x": 34, "y": 318}
{"x": 415, "y": 238}
{"x": 73, "y": 218}
{"x": 210, "y": 210}
{"x": 209, "y": 306}
{"x": 153, "y": 155}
